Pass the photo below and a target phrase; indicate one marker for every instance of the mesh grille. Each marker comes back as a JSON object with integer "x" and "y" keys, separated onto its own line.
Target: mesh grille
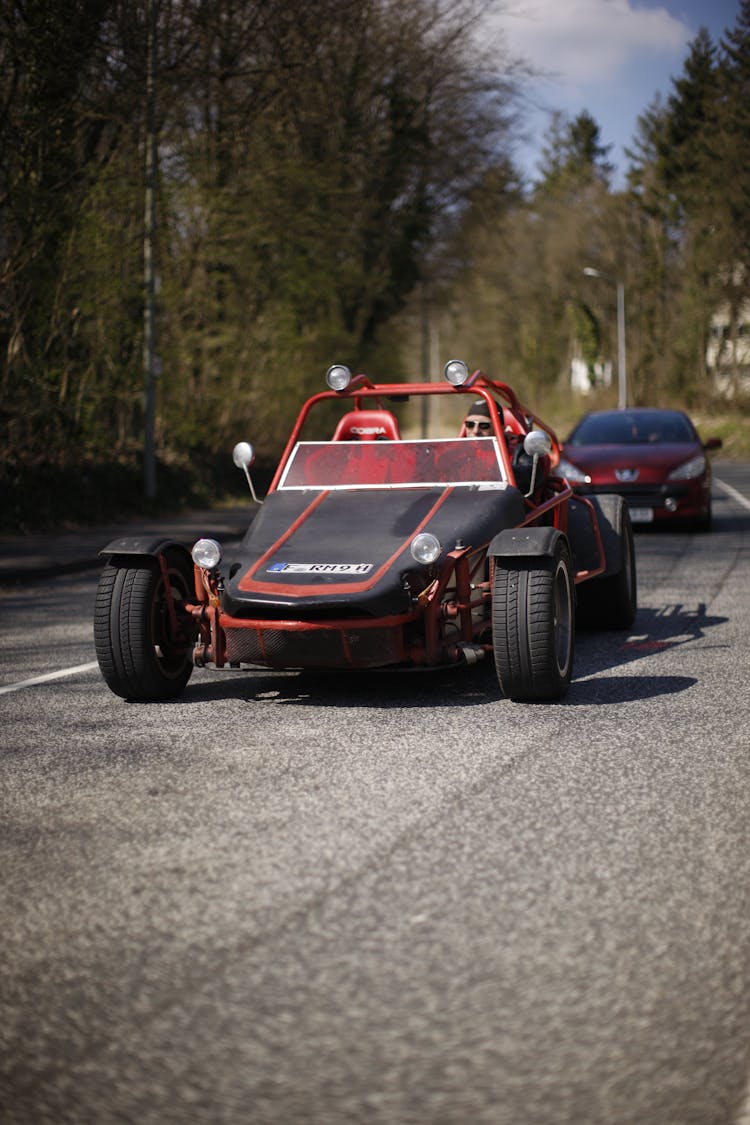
{"x": 315, "y": 648}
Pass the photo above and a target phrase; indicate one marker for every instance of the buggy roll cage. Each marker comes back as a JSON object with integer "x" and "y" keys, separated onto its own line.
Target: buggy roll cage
{"x": 516, "y": 418}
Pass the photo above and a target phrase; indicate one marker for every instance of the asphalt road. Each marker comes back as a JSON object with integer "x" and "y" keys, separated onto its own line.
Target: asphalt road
{"x": 386, "y": 899}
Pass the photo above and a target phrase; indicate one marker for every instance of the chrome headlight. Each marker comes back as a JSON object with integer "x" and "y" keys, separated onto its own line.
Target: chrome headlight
{"x": 206, "y": 554}
{"x": 425, "y": 548}
{"x": 338, "y": 377}
{"x": 689, "y": 470}
{"x": 571, "y": 472}
{"x": 456, "y": 372}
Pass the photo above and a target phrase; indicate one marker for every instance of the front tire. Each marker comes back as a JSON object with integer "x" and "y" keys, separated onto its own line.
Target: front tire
{"x": 137, "y": 653}
{"x": 703, "y": 523}
{"x": 533, "y": 624}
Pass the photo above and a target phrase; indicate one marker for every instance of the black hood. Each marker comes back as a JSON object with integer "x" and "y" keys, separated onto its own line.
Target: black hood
{"x": 347, "y": 551}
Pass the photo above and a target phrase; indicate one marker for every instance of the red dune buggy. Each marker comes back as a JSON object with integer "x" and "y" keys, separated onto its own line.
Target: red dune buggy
{"x": 371, "y": 550}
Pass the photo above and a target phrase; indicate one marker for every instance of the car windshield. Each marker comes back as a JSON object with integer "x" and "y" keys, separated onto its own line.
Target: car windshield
{"x": 625, "y": 428}
{"x": 394, "y": 464}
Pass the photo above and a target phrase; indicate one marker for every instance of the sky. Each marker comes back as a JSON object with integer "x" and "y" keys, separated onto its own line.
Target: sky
{"x": 609, "y": 57}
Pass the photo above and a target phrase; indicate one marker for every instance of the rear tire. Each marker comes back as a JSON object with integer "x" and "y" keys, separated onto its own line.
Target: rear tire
{"x": 611, "y": 602}
{"x": 137, "y": 654}
{"x": 533, "y": 624}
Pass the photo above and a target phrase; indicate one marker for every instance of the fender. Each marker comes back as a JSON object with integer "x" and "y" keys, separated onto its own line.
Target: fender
{"x": 144, "y": 546}
{"x": 525, "y": 542}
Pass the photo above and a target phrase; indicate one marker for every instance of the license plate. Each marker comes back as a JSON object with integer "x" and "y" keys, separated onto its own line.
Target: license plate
{"x": 642, "y": 515}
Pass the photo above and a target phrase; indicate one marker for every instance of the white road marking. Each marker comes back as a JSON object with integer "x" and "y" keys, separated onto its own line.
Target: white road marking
{"x": 733, "y": 493}
{"x": 49, "y": 676}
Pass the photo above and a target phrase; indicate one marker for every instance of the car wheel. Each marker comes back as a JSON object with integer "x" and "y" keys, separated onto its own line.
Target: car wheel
{"x": 533, "y": 623}
{"x": 611, "y": 602}
{"x": 703, "y": 523}
{"x": 137, "y": 653}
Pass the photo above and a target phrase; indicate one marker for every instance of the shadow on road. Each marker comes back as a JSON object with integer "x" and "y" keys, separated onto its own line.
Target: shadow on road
{"x": 655, "y": 632}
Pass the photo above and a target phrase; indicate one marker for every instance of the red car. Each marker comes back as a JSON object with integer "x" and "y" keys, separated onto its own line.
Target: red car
{"x": 653, "y": 458}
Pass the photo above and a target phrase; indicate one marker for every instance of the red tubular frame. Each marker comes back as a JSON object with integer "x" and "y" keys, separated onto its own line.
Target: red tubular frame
{"x": 457, "y": 568}
{"x": 478, "y": 385}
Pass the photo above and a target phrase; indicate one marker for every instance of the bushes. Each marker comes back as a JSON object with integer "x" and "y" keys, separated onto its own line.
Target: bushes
{"x": 39, "y": 495}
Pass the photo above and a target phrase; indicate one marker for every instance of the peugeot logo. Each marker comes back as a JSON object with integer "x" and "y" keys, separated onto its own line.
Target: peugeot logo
{"x": 626, "y": 475}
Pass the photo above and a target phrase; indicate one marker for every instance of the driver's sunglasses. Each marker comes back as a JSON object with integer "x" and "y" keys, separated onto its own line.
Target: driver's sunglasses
{"x": 479, "y": 425}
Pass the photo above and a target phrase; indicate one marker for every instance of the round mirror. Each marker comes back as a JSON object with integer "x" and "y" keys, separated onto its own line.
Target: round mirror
{"x": 243, "y": 454}
{"x": 538, "y": 443}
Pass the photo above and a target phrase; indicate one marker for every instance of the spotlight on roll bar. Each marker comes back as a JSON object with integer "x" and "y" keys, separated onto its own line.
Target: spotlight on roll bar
{"x": 338, "y": 377}
{"x": 456, "y": 372}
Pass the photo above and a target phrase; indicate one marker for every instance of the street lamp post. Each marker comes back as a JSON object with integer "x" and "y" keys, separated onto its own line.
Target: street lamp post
{"x": 622, "y": 379}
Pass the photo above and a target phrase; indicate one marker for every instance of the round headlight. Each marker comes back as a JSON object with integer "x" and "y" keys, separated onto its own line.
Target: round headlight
{"x": 338, "y": 377}
{"x": 456, "y": 372}
{"x": 207, "y": 554}
{"x": 425, "y": 548}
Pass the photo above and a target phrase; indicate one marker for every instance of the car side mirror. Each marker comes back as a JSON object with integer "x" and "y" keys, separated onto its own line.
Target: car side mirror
{"x": 713, "y": 443}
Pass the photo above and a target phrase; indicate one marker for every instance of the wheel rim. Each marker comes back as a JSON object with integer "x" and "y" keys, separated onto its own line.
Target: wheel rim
{"x": 169, "y": 656}
{"x": 563, "y": 619}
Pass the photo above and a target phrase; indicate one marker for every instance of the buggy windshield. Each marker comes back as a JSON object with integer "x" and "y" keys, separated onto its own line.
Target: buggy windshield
{"x": 394, "y": 464}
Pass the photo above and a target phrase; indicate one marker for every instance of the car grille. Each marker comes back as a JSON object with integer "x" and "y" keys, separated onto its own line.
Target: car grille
{"x": 643, "y": 496}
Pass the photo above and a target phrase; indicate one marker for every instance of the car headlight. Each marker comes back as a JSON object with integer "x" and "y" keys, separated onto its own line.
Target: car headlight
{"x": 456, "y": 372}
{"x": 207, "y": 554}
{"x": 689, "y": 470}
{"x": 338, "y": 377}
{"x": 425, "y": 548}
{"x": 571, "y": 472}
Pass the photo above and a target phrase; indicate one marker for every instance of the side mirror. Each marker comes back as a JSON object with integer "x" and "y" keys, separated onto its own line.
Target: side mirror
{"x": 243, "y": 456}
{"x": 713, "y": 443}
{"x": 536, "y": 444}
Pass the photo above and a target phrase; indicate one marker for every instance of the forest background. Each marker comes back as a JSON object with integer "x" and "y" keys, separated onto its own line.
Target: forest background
{"x": 331, "y": 182}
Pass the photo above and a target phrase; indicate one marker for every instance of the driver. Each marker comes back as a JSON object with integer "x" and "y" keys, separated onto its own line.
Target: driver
{"x": 477, "y": 422}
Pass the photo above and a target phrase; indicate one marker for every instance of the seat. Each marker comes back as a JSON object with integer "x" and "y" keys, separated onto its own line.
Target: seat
{"x": 367, "y": 425}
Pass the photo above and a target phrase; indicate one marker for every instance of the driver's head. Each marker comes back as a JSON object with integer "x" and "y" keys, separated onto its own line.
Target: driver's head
{"x": 477, "y": 422}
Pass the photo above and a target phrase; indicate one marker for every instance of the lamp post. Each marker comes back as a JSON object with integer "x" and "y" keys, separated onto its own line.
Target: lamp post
{"x": 622, "y": 379}
{"x": 150, "y": 361}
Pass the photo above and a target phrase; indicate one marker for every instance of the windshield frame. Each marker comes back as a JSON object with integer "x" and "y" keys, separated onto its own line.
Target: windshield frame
{"x": 396, "y": 455}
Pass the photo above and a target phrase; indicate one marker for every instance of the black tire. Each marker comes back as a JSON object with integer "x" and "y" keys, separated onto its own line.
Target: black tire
{"x": 533, "y": 624}
{"x": 611, "y": 602}
{"x": 132, "y": 637}
{"x": 703, "y": 524}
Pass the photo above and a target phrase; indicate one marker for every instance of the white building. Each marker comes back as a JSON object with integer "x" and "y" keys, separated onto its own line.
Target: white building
{"x": 583, "y": 381}
{"x": 728, "y": 350}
